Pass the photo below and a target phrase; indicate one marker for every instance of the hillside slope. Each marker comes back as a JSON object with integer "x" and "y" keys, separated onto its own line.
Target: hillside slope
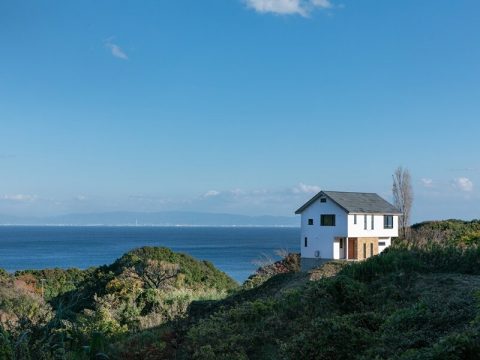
{"x": 404, "y": 304}
{"x": 401, "y": 305}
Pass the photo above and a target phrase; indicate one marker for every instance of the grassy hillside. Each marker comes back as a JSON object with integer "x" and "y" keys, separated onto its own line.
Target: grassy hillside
{"x": 402, "y": 305}
{"x": 408, "y": 303}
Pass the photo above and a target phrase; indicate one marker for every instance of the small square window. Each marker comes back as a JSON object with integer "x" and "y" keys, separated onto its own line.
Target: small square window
{"x": 310, "y": 221}
{"x": 323, "y": 200}
{"x": 381, "y": 243}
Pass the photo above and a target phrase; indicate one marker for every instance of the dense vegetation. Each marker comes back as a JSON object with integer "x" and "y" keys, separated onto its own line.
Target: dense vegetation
{"x": 404, "y": 304}
{"x": 74, "y": 314}
{"x": 418, "y": 300}
{"x": 446, "y": 233}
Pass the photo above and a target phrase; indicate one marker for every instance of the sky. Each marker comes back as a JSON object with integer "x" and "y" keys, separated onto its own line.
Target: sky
{"x": 237, "y": 106}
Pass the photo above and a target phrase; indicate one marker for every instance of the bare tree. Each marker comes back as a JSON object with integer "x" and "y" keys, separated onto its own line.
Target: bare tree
{"x": 158, "y": 274}
{"x": 403, "y": 197}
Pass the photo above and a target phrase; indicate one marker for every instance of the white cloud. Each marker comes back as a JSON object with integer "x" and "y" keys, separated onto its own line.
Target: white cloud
{"x": 325, "y": 4}
{"x": 427, "y": 182}
{"x": 306, "y": 189}
{"x": 463, "y": 184}
{"x": 288, "y": 7}
{"x": 211, "y": 193}
{"x": 19, "y": 197}
{"x": 116, "y": 50}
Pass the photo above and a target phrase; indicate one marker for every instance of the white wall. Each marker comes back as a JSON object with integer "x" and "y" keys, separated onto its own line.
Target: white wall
{"x": 339, "y": 253}
{"x": 358, "y": 230}
{"x": 387, "y": 241}
{"x": 321, "y": 238}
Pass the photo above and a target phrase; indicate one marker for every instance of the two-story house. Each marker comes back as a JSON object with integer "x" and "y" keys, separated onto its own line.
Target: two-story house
{"x": 345, "y": 225}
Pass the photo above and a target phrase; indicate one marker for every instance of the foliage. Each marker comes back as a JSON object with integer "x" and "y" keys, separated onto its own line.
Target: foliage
{"x": 195, "y": 274}
{"x": 52, "y": 282}
{"x": 405, "y": 304}
{"x": 89, "y": 310}
{"x": 446, "y": 233}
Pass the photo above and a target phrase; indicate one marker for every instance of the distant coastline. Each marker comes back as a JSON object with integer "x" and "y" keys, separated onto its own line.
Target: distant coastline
{"x": 150, "y": 225}
{"x": 163, "y": 218}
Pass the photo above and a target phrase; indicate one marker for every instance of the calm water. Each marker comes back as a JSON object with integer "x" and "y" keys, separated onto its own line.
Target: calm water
{"x": 231, "y": 249}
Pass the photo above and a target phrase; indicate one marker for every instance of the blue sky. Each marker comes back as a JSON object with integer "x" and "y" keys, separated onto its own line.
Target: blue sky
{"x": 240, "y": 106}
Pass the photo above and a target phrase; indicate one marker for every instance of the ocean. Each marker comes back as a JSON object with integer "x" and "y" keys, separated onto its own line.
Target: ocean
{"x": 234, "y": 250}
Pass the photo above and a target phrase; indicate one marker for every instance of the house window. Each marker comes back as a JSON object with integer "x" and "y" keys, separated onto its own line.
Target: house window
{"x": 355, "y": 219}
{"x": 381, "y": 243}
{"x": 371, "y": 249}
{"x": 327, "y": 220}
{"x": 323, "y": 200}
{"x": 388, "y": 221}
{"x": 364, "y": 250}
{"x": 373, "y": 222}
{"x": 305, "y": 242}
{"x": 310, "y": 221}
{"x": 365, "y": 222}
{"x": 341, "y": 243}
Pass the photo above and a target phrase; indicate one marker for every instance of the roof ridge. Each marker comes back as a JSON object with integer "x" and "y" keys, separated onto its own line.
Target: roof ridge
{"x": 355, "y": 202}
{"x": 351, "y": 192}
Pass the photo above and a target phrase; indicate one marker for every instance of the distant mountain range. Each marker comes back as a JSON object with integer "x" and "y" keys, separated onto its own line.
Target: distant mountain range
{"x": 164, "y": 218}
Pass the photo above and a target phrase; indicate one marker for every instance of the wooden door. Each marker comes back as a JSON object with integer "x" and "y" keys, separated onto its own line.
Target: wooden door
{"x": 352, "y": 248}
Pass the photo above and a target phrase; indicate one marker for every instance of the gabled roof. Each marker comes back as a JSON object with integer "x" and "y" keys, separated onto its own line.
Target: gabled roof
{"x": 355, "y": 203}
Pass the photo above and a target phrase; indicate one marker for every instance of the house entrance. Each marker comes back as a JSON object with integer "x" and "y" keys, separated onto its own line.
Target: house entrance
{"x": 352, "y": 248}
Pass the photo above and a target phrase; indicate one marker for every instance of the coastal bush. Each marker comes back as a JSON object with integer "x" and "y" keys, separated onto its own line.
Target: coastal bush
{"x": 6, "y": 347}
{"x": 145, "y": 288}
{"x": 404, "y": 304}
{"x": 79, "y": 314}
{"x": 446, "y": 233}
{"x": 195, "y": 274}
{"x": 4, "y": 275}
{"x": 51, "y": 283}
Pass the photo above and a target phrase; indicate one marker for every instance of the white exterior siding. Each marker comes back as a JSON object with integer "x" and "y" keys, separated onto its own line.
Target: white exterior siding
{"x": 321, "y": 238}
{"x": 358, "y": 216}
{"x": 358, "y": 229}
{"x": 386, "y": 241}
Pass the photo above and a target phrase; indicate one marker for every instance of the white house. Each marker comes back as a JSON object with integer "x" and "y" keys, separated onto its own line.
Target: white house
{"x": 345, "y": 225}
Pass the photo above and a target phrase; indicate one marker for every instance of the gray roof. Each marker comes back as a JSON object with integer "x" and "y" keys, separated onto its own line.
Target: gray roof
{"x": 355, "y": 202}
